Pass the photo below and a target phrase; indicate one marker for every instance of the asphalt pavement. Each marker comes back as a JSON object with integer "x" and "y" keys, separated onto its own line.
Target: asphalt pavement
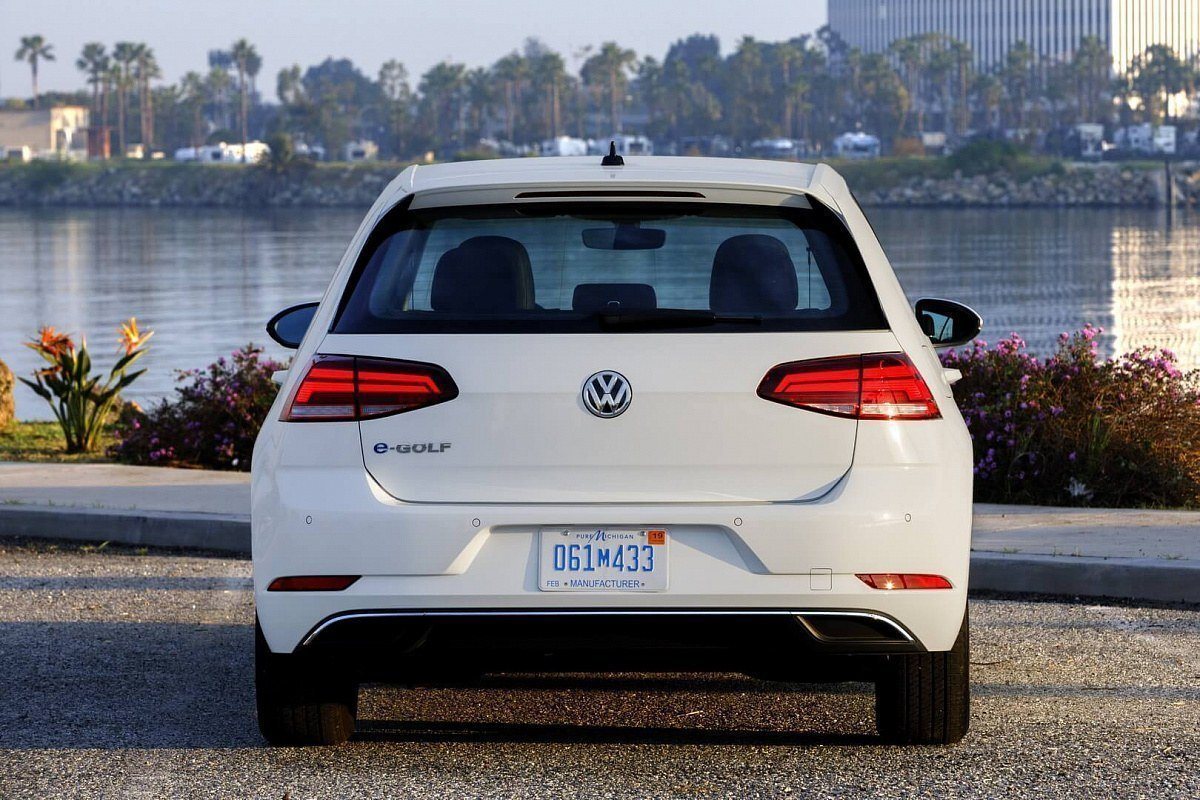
{"x": 127, "y": 674}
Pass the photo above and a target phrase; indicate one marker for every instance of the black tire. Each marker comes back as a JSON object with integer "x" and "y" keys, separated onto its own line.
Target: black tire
{"x": 301, "y": 700}
{"x": 926, "y": 698}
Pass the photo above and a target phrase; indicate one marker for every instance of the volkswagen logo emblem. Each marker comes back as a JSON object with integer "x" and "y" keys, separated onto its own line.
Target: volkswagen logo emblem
{"x": 607, "y": 394}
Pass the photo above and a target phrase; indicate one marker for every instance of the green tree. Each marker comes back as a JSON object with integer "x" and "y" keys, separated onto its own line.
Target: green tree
{"x": 35, "y": 49}
{"x": 1157, "y": 75}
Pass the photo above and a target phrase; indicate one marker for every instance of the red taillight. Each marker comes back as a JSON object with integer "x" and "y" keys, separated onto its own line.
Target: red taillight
{"x": 876, "y": 386}
{"x": 312, "y": 583}
{"x": 903, "y": 580}
{"x": 341, "y": 388}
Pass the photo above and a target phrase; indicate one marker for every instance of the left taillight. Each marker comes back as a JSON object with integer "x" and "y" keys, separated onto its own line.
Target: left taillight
{"x": 348, "y": 388}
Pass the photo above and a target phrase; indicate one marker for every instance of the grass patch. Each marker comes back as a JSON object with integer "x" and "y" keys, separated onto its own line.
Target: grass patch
{"x": 43, "y": 441}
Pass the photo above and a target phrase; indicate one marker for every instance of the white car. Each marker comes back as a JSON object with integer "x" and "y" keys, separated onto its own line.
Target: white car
{"x": 577, "y": 414}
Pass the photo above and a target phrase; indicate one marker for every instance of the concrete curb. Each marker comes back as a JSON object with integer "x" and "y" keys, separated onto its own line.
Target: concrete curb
{"x": 1156, "y": 580}
{"x": 224, "y": 532}
{"x": 1159, "y": 580}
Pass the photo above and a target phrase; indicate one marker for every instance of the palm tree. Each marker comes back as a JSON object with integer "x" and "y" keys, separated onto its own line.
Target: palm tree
{"x": 1092, "y": 65}
{"x": 481, "y": 98}
{"x": 511, "y": 71}
{"x": 441, "y": 90}
{"x": 609, "y": 70}
{"x": 124, "y": 55}
{"x": 93, "y": 61}
{"x": 910, "y": 53}
{"x": 549, "y": 75}
{"x": 393, "y": 80}
{"x": 34, "y": 49}
{"x": 244, "y": 56}
{"x": 146, "y": 69}
{"x": 1016, "y": 76}
{"x": 194, "y": 95}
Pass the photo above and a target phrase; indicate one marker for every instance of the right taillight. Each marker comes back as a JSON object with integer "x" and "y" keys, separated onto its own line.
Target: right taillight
{"x": 875, "y": 386}
{"x": 347, "y": 388}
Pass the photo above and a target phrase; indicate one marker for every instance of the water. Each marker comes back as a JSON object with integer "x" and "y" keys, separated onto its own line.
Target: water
{"x": 207, "y": 280}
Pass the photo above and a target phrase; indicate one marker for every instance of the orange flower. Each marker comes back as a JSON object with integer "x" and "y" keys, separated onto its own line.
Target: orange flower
{"x": 130, "y": 337}
{"x": 50, "y": 342}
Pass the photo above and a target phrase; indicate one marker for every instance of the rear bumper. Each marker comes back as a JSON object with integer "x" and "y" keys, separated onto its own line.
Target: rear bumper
{"x": 905, "y": 506}
{"x": 458, "y": 646}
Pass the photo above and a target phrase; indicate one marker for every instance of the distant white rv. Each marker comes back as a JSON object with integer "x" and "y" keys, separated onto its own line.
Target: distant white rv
{"x": 778, "y": 148}
{"x": 224, "y": 153}
{"x": 564, "y": 146}
{"x": 856, "y": 145}
{"x": 1147, "y": 139}
{"x": 630, "y": 144}
{"x": 362, "y": 150}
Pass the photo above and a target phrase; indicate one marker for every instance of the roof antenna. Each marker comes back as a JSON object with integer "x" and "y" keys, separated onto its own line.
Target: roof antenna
{"x": 612, "y": 159}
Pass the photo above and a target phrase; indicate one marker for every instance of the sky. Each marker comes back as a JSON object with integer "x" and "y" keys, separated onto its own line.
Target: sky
{"x": 369, "y": 32}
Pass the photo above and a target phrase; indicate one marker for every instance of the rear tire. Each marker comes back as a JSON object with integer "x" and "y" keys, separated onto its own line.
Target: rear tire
{"x": 926, "y": 698}
{"x": 301, "y": 700}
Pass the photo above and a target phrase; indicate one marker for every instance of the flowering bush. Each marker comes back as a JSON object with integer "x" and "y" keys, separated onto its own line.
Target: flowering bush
{"x": 1074, "y": 429}
{"x": 212, "y": 420}
{"x": 82, "y": 403}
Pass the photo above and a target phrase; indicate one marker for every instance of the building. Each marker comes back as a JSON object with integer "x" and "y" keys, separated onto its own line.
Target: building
{"x": 60, "y": 132}
{"x": 1051, "y": 28}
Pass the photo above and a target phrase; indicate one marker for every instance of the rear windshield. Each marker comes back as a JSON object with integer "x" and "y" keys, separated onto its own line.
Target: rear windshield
{"x": 600, "y": 267}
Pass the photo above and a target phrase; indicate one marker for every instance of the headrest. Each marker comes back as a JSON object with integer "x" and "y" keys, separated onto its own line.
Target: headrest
{"x": 752, "y": 274}
{"x": 483, "y": 275}
{"x": 592, "y": 297}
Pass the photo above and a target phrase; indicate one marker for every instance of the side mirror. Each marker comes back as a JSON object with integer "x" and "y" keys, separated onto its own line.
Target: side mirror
{"x": 946, "y": 323}
{"x": 289, "y": 326}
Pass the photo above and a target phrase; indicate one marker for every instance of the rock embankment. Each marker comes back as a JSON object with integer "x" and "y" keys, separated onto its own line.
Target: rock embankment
{"x": 159, "y": 184}
{"x": 1101, "y": 185}
{"x": 148, "y": 185}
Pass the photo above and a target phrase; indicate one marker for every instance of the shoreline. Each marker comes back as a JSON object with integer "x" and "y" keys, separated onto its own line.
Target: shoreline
{"x": 918, "y": 183}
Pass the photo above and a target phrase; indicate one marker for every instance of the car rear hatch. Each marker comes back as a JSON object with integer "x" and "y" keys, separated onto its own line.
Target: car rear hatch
{"x": 519, "y": 430}
{"x": 682, "y": 307}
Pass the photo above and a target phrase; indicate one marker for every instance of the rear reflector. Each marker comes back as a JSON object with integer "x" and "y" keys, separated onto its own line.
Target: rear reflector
{"x": 894, "y": 580}
{"x": 876, "y": 386}
{"x": 312, "y": 583}
{"x": 342, "y": 388}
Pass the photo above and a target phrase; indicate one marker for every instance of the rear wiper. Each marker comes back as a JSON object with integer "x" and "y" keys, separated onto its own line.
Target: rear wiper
{"x": 652, "y": 318}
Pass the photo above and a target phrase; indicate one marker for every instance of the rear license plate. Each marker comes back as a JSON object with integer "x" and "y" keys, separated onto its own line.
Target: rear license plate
{"x": 603, "y": 560}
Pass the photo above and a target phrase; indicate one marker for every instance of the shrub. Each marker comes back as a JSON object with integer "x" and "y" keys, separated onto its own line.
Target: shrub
{"x": 81, "y": 403}
{"x": 211, "y": 421}
{"x": 985, "y": 156}
{"x": 1073, "y": 429}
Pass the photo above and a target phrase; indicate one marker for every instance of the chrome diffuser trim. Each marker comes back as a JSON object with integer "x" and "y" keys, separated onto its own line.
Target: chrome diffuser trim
{"x": 800, "y": 615}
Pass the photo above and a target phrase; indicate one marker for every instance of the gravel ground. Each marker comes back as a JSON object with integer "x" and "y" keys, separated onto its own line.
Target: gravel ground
{"x": 128, "y": 674}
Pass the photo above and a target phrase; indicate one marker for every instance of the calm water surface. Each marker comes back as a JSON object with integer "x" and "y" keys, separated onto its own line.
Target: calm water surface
{"x": 206, "y": 280}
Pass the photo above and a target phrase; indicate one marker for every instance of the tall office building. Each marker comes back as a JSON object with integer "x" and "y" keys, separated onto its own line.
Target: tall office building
{"x": 1052, "y": 28}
